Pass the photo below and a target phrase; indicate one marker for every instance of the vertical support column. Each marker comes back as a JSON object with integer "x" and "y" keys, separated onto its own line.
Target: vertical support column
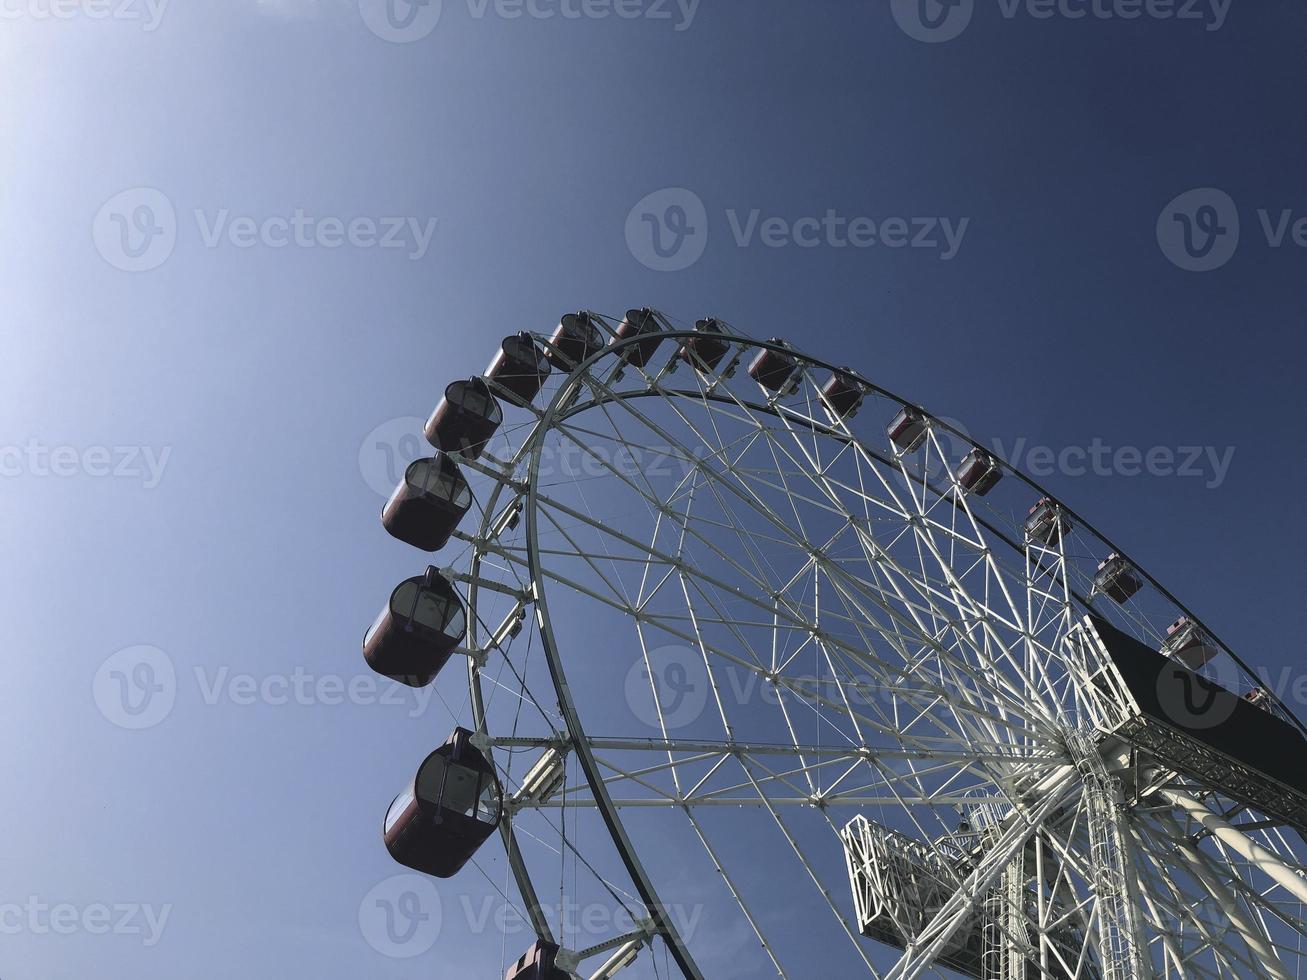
{"x": 1005, "y": 936}
{"x": 1118, "y": 931}
{"x": 1018, "y": 925}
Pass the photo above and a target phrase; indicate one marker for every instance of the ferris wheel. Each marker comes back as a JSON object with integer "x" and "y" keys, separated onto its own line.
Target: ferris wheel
{"x": 779, "y": 669}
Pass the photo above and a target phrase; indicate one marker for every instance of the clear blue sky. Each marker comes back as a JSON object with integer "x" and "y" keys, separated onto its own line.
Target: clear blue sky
{"x": 228, "y": 390}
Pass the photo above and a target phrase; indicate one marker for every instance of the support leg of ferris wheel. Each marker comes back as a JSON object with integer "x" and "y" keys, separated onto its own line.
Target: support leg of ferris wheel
{"x": 1121, "y": 948}
{"x": 1253, "y": 936}
{"x": 1290, "y": 878}
{"x": 1118, "y": 928}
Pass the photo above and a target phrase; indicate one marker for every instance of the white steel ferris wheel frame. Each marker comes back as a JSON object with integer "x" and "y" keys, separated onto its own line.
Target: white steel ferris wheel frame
{"x": 1075, "y": 786}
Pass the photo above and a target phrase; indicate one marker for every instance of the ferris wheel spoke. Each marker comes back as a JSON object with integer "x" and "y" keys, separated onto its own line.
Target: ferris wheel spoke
{"x": 1262, "y": 913}
{"x": 978, "y": 663}
{"x": 1036, "y": 687}
{"x": 769, "y": 514}
{"x": 985, "y": 708}
{"x": 1153, "y": 905}
{"x": 699, "y": 576}
{"x": 951, "y": 590}
{"x": 735, "y": 892}
{"x": 844, "y": 924}
{"x": 1070, "y": 893}
{"x": 891, "y": 682}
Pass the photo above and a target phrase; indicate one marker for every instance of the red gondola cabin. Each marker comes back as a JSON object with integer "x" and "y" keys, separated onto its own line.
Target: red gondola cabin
{"x": 642, "y": 324}
{"x": 465, "y": 419}
{"x": 979, "y": 472}
{"x": 1116, "y": 579}
{"x": 520, "y": 366}
{"x": 908, "y": 430}
{"x": 428, "y": 504}
{"x": 1047, "y": 523}
{"x": 775, "y": 370}
{"x": 538, "y": 963}
{"x": 705, "y": 351}
{"x": 575, "y": 339}
{"x": 843, "y": 394}
{"x": 419, "y": 629}
{"x": 1188, "y": 643}
{"x": 452, "y": 807}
